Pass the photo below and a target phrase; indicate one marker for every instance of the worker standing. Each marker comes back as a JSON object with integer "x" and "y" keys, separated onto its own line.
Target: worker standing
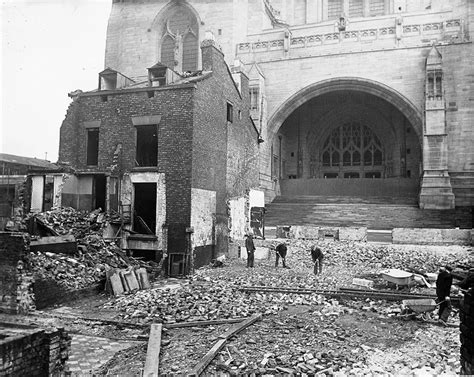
{"x": 281, "y": 250}
{"x": 249, "y": 245}
{"x": 443, "y": 291}
{"x": 317, "y": 257}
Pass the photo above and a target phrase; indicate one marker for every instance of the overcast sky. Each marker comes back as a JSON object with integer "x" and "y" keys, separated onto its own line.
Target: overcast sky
{"x": 48, "y": 49}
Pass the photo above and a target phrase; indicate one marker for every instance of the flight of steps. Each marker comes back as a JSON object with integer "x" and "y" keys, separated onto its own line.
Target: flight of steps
{"x": 371, "y": 212}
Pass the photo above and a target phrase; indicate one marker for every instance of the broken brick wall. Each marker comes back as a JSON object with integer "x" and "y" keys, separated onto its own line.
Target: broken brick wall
{"x": 467, "y": 334}
{"x": 16, "y": 292}
{"x": 28, "y": 351}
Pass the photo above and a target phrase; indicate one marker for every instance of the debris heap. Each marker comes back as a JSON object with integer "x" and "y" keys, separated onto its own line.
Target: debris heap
{"x": 95, "y": 255}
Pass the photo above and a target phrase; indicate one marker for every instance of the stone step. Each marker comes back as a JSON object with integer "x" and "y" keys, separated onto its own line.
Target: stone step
{"x": 372, "y": 213}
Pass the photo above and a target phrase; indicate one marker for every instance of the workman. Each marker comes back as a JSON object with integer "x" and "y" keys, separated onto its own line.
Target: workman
{"x": 443, "y": 292}
{"x": 280, "y": 252}
{"x": 249, "y": 245}
{"x": 317, "y": 257}
{"x": 468, "y": 282}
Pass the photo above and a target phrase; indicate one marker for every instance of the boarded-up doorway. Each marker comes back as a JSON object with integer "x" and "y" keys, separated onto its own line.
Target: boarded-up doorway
{"x": 144, "y": 219}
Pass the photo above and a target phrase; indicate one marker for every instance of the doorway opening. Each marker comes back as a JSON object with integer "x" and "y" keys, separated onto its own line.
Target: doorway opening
{"x": 100, "y": 189}
{"x": 144, "y": 219}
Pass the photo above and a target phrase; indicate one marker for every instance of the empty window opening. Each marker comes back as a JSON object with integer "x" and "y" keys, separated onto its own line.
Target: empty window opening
{"x": 292, "y": 154}
{"x": 230, "y": 112}
{"x": 219, "y": 31}
{"x": 99, "y": 192}
{"x": 147, "y": 146}
{"x": 375, "y": 174}
{"x": 408, "y": 173}
{"x": 144, "y": 208}
{"x": 151, "y": 93}
{"x": 351, "y": 175}
{"x": 331, "y": 175}
{"x": 240, "y": 115}
{"x": 408, "y": 150}
{"x": 92, "y": 146}
{"x": 104, "y": 98}
{"x": 48, "y": 193}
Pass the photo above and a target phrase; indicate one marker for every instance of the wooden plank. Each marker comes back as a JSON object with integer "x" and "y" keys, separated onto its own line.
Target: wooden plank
{"x": 240, "y": 326}
{"x": 203, "y": 323}
{"x": 201, "y": 366}
{"x": 57, "y": 244}
{"x": 152, "y": 362}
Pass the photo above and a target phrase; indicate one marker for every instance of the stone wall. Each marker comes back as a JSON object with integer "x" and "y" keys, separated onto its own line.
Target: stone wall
{"x": 418, "y": 236}
{"x": 466, "y": 315}
{"x": 28, "y": 351}
{"x": 16, "y": 293}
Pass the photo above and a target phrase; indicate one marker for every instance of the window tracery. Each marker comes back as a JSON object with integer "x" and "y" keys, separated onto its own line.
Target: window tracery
{"x": 180, "y": 42}
{"x": 356, "y": 143}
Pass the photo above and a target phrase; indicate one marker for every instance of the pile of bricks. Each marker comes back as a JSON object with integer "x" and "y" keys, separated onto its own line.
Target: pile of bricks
{"x": 16, "y": 290}
{"x": 467, "y": 334}
{"x": 28, "y": 351}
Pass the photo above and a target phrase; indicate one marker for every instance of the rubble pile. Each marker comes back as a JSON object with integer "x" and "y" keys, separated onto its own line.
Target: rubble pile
{"x": 94, "y": 256}
{"x": 203, "y": 301}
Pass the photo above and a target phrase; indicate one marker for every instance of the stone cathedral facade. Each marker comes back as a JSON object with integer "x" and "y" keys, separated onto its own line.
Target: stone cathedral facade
{"x": 371, "y": 95}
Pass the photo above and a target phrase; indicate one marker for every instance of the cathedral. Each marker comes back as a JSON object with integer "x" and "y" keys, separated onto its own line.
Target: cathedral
{"x": 348, "y": 95}
{"x": 208, "y": 110}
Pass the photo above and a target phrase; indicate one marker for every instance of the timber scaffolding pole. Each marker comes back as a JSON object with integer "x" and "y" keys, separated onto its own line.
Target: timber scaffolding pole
{"x": 345, "y": 293}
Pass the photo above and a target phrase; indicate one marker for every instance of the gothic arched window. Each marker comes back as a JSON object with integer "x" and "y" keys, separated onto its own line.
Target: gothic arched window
{"x": 356, "y": 143}
{"x": 179, "y": 40}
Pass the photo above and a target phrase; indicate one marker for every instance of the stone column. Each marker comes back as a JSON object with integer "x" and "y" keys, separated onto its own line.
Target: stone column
{"x": 436, "y": 191}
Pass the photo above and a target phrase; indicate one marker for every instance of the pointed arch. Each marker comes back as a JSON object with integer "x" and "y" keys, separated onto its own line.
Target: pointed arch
{"x": 167, "y": 51}
{"x": 178, "y": 22}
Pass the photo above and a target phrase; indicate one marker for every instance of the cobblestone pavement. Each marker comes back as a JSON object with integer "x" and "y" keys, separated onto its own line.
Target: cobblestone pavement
{"x": 88, "y": 353}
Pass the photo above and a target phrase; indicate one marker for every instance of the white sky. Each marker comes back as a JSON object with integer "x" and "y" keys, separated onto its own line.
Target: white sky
{"x": 48, "y": 49}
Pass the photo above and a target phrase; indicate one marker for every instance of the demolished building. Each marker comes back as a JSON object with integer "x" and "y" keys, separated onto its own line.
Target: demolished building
{"x": 166, "y": 152}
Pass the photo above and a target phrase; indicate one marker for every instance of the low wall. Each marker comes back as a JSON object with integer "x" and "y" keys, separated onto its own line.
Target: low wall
{"x": 466, "y": 315}
{"x": 48, "y": 292}
{"x": 421, "y": 236}
{"x": 408, "y": 236}
{"x": 404, "y": 187}
{"x": 29, "y": 351}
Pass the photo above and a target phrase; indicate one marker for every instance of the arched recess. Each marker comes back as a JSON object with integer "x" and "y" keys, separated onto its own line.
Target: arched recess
{"x": 178, "y": 22}
{"x": 399, "y": 101}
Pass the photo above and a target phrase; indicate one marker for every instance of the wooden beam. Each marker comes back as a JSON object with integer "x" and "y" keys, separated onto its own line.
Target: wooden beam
{"x": 203, "y": 323}
{"x": 202, "y": 365}
{"x": 238, "y": 327}
{"x": 152, "y": 362}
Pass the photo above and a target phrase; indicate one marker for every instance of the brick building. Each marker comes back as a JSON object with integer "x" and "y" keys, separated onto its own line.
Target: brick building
{"x": 378, "y": 91}
{"x": 167, "y": 150}
{"x": 16, "y": 189}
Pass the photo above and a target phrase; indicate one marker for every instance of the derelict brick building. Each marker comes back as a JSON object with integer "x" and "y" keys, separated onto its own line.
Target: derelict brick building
{"x": 352, "y": 97}
{"x": 166, "y": 152}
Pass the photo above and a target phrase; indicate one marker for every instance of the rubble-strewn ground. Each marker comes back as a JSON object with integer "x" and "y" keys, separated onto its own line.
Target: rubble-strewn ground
{"x": 297, "y": 334}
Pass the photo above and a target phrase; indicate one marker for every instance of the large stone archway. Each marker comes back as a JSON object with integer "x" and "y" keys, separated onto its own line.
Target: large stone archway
{"x": 347, "y": 128}
{"x": 375, "y": 88}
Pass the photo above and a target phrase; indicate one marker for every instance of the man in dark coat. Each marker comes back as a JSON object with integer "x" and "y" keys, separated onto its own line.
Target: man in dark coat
{"x": 250, "y": 249}
{"x": 443, "y": 291}
{"x": 317, "y": 257}
{"x": 281, "y": 250}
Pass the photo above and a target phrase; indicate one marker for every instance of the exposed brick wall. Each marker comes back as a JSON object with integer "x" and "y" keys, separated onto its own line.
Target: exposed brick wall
{"x": 466, "y": 315}
{"x": 194, "y": 143}
{"x": 16, "y": 295}
{"x": 28, "y": 351}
